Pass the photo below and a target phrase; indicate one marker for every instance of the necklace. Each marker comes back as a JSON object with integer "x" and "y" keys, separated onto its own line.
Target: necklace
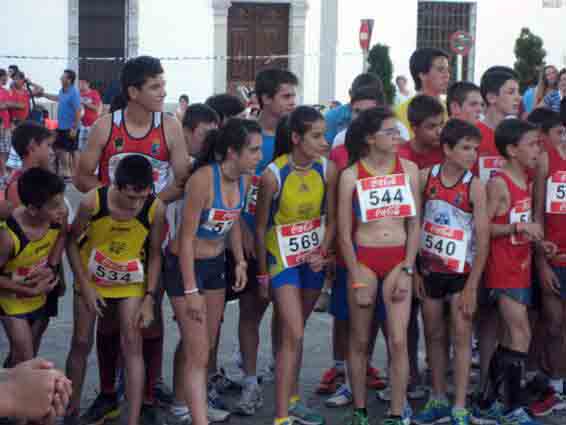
{"x": 303, "y": 187}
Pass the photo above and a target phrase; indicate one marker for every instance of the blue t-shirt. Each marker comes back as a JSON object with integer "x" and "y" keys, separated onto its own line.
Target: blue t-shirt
{"x": 267, "y": 151}
{"x": 69, "y": 103}
{"x": 337, "y": 119}
{"x": 529, "y": 100}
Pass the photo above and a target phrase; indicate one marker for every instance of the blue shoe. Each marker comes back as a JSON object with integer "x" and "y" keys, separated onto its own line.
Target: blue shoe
{"x": 517, "y": 417}
{"x": 342, "y": 397}
{"x": 460, "y": 417}
{"x": 407, "y": 415}
{"x": 434, "y": 412}
{"x": 489, "y": 416}
{"x": 304, "y": 415}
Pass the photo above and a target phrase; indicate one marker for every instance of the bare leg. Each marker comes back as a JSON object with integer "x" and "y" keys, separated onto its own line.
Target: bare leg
{"x": 462, "y": 340}
{"x": 435, "y": 336}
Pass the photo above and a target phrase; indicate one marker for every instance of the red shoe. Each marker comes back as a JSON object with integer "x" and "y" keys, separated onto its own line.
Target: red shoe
{"x": 547, "y": 405}
{"x": 375, "y": 382}
{"x": 330, "y": 381}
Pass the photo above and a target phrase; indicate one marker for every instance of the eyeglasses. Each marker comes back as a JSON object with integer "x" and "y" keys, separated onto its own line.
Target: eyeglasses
{"x": 391, "y": 132}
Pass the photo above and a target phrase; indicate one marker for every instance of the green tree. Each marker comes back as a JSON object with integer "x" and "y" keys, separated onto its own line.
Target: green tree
{"x": 530, "y": 56}
{"x": 381, "y": 65}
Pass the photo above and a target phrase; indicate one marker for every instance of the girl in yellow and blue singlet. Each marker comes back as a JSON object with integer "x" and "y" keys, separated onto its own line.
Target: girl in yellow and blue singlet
{"x": 295, "y": 229}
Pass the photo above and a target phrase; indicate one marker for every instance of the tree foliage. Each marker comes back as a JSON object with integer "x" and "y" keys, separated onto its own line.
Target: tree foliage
{"x": 530, "y": 56}
{"x": 381, "y": 65}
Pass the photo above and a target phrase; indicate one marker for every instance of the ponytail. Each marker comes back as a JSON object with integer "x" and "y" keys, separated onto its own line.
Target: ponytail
{"x": 299, "y": 121}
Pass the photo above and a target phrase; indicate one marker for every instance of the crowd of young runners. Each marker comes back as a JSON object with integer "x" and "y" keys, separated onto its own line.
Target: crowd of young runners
{"x": 450, "y": 209}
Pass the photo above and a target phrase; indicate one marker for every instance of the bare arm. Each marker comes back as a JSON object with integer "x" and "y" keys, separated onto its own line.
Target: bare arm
{"x": 179, "y": 158}
{"x": 331, "y": 185}
{"x": 85, "y": 178}
{"x": 6, "y": 247}
{"x": 52, "y": 97}
{"x": 154, "y": 251}
{"x": 498, "y": 202}
{"x": 481, "y": 223}
{"x": 197, "y": 194}
{"x": 346, "y": 187}
{"x": 267, "y": 189}
{"x": 413, "y": 223}
{"x": 539, "y": 193}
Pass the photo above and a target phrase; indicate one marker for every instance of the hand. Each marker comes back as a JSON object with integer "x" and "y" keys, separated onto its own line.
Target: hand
{"x": 550, "y": 248}
{"x": 39, "y": 280}
{"x": 94, "y": 302}
{"x": 402, "y": 284}
{"x": 248, "y": 242}
{"x": 263, "y": 287}
{"x": 36, "y": 390}
{"x": 196, "y": 307}
{"x": 241, "y": 273}
{"x": 419, "y": 288}
{"x": 548, "y": 279}
{"x": 533, "y": 231}
{"x": 467, "y": 301}
{"x": 316, "y": 261}
{"x": 145, "y": 314}
{"x": 363, "y": 294}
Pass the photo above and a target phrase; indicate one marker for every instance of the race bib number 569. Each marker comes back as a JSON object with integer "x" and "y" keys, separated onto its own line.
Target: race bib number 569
{"x": 296, "y": 241}
{"x": 385, "y": 196}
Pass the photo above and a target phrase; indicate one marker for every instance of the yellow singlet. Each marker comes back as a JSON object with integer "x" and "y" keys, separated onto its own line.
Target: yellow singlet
{"x": 114, "y": 252}
{"x": 27, "y": 256}
{"x": 300, "y": 198}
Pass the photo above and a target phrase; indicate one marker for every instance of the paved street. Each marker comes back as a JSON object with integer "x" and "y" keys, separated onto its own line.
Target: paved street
{"x": 317, "y": 356}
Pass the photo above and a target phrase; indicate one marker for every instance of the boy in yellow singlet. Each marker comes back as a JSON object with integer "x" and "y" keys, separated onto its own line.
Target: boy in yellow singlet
{"x": 32, "y": 240}
{"x": 115, "y": 253}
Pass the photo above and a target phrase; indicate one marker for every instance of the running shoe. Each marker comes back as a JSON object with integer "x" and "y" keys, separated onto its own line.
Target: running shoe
{"x": 547, "y": 404}
{"x": 461, "y": 417}
{"x": 331, "y": 379}
{"x": 434, "y": 412}
{"x": 151, "y": 414}
{"x": 217, "y": 415}
{"x": 358, "y": 418}
{"x": 375, "y": 382}
{"x": 517, "y": 417}
{"x": 342, "y": 397}
{"x": 392, "y": 421}
{"x": 179, "y": 415}
{"x": 416, "y": 392}
{"x": 71, "y": 418}
{"x": 102, "y": 409}
{"x": 299, "y": 412}
{"x": 406, "y": 416}
{"x": 222, "y": 383}
{"x": 214, "y": 399}
{"x": 163, "y": 394}
{"x": 268, "y": 374}
{"x": 489, "y": 416}
{"x": 250, "y": 401}
{"x": 384, "y": 395}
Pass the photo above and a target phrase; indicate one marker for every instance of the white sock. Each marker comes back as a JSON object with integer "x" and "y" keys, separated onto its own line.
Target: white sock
{"x": 340, "y": 365}
{"x": 557, "y": 384}
{"x": 179, "y": 410}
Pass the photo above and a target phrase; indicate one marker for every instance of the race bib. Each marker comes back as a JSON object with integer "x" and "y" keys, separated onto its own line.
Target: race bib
{"x": 556, "y": 193}
{"x": 106, "y": 272}
{"x": 22, "y": 273}
{"x": 251, "y": 197}
{"x": 489, "y": 165}
{"x": 520, "y": 213}
{"x": 385, "y": 196}
{"x": 447, "y": 244}
{"x": 220, "y": 221}
{"x": 296, "y": 241}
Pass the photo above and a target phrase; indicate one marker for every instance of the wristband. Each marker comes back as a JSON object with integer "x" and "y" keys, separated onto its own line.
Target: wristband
{"x": 263, "y": 279}
{"x": 358, "y": 285}
{"x": 192, "y": 291}
{"x": 151, "y": 294}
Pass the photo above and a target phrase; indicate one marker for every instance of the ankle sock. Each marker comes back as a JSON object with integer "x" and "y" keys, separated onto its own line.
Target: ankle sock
{"x": 340, "y": 365}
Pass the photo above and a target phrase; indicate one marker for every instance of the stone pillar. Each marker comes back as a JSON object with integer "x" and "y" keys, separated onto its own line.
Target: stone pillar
{"x": 328, "y": 43}
{"x": 297, "y": 27}
{"x": 73, "y": 35}
{"x": 132, "y": 29}
{"x": 220, "y": 15}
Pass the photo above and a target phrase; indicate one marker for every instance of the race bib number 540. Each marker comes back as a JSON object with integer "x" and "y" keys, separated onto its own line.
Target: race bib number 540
{"x": 385, "y": 196}
{"x": 106, "y": 272}
{"x": 446, "y": 244}
{"x": 296, "y": 241}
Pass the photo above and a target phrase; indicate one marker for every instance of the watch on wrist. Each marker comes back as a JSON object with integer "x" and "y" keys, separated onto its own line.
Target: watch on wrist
{"x": 410, "y": 270}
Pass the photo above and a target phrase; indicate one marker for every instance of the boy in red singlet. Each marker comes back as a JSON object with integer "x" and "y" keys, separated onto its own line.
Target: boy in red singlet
{"x": 508, "y": 271}
{"x": 550, "y": 207}
{"x": 426, "y": 115}
{"x": 454, "y": 247}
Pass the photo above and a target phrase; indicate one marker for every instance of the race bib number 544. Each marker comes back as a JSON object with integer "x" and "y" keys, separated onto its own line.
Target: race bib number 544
{"x": 106, "y": 272}
{"x": 385, "y": 196}
{"x": 296, "y": 241}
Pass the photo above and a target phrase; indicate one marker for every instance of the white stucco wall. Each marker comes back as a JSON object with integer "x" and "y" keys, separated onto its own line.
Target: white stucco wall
{"x": 32, "y": 28}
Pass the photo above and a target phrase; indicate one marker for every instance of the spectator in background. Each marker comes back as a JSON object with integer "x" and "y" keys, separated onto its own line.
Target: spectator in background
{"x": 402, "y": 94}
{"x": 334, "y": 104}
{"x": 547, "y": 82}
{"x": 226, "y": 106}
{"x": 12, "y": 70}
{"x": 48, "y": 122}
{"x": 552, "y": 100}
{"x": 20, "y": 95}
{"x": 68, "y": 116}
{"x": 92, "y": 104}
{"x": 5, "y": 126}
{"x": 182, "y": 107}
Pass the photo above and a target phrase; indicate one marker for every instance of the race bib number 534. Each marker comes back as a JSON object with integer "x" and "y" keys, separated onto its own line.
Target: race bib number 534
{"x": 296, "y": 241}
{"x": 385, "y": 196}
{"x": 106, "y": 272}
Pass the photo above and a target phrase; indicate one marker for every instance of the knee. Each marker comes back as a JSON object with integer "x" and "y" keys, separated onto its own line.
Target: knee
{"x": 397, "y": 346}
{"x": 462, "y": 335}
{"x": 82, "y": 344}
{"x": 293, "y": 337}
{"x": 131, "y": 342}
{"x": 196, "y": 356}
{"x": 435, "y": 334}
{"x": 360, "y": 343}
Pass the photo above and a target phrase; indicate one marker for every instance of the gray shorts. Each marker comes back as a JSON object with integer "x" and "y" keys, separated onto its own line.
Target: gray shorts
{"x": 5, "y": 140}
